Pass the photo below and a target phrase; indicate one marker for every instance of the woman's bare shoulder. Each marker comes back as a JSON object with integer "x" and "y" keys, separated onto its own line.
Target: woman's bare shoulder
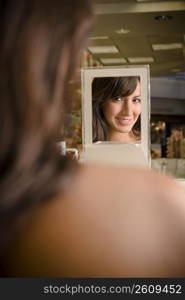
{"x": 122, "y": 181}
{"x": 95, "y": 228}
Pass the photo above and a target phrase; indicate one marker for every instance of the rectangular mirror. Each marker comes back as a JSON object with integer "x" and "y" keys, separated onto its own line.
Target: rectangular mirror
{"x": 116, "y": 109}
{"x": 116, "y": 112}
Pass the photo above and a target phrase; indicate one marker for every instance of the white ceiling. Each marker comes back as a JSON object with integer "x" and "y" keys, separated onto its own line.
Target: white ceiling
{"x": 138, "y": 19}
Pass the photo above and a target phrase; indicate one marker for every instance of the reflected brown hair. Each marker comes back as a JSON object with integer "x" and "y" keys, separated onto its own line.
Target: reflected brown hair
{"x": 103, "y": 89}
{"x": 41, "y": 42}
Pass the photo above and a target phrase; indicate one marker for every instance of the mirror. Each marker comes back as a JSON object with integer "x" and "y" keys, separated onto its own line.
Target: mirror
{"x": 116, "y": 107}
{"x": 116, "y": 112}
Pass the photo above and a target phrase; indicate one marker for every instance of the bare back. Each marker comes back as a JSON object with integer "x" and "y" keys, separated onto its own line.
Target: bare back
{"x": 112, "y": 222}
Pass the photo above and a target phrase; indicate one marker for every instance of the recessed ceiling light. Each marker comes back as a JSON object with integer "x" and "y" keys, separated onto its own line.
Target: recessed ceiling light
{"x": 171, "y": 46}
{"x": 122, "y": 31}
{"x": 103, "y": 49}
{"x": 175, "y": 70}
{"x": 163, "y": 17}
{"x": 151, "y": 0}
{"x": 119, "y": 60}
{"x": 141, "y": 59}
{"x": 99, "y": 38}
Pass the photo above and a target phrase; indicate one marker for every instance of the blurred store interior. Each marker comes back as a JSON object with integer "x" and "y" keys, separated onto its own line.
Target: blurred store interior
{"x": 140, "y": 32}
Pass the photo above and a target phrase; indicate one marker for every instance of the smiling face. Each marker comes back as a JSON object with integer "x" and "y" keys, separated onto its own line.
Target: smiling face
{"x": 121, "y": 113}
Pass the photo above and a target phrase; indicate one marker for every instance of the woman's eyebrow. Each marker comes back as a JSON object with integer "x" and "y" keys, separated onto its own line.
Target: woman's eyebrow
{"x": 137, "y": 96}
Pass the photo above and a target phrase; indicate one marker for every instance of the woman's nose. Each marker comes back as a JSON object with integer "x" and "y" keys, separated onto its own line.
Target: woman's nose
{"x": 126, "y": 108}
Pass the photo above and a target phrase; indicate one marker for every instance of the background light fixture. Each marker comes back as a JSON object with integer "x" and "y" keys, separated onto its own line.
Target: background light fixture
{"x": 122, "y": 31}
{"x": 171, "y": 46}
{"x": 163, "y": 17}
{"x": 99, "y": 38}
{"x": 116, "y": 60}
{"x": 146, "y": 59}
{"x": 103, "y": 49}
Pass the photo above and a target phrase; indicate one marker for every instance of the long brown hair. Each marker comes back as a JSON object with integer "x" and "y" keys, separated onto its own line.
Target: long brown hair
{"x": 104, "y": 88}
{"x": 40, "y": 44}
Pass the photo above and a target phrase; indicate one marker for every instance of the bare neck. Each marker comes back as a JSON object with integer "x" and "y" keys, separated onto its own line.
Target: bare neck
{"x": 121, "y": 137}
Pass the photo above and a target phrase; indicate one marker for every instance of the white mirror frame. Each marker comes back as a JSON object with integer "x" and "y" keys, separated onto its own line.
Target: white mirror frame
{"x": 88, "y": 74}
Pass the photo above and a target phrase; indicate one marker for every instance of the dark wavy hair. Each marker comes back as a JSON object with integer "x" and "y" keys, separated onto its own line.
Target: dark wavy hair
{"x": 40, "y": 44}
{"x": 104, "y": 88}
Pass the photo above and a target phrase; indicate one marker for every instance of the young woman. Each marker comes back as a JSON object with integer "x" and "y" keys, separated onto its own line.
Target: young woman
{"x": 116, "y": 109}
{"x": 58, "y": 218}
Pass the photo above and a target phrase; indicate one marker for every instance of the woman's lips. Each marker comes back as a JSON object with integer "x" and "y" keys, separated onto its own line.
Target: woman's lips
{"x": 124, "y": 121}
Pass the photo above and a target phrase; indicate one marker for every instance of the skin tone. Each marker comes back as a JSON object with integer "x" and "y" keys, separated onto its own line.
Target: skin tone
{"x": 121, "y": 113}
{"x": 105, "y": 229}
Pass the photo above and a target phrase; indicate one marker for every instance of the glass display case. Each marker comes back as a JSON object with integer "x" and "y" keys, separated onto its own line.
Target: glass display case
{"x": 168, "y": 145}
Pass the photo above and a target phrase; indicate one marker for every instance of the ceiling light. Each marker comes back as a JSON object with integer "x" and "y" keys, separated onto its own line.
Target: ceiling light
{"x": 103, "y": 49}
{"x": 176, "y": 70}
{"x": 99, "y": 38}
{"x": 140, "y": 59}
{"x": 122, "y": 31}
{"x": 171, "y": 46}
{"x": 119, "y": 60}
{"x": 144, "y": 0}
{"x": 163, "y": 17}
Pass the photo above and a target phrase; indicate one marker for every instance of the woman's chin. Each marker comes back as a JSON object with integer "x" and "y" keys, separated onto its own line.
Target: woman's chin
{"x": 124, "y": 129}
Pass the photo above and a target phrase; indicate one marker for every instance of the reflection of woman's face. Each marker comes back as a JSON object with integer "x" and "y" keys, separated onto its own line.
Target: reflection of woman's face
{"x": 121, "y": 113}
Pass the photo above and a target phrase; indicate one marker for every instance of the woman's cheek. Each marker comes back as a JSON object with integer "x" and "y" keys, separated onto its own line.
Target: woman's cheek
{"x": 138, "y": 110}
{"x": 114, "y": 108}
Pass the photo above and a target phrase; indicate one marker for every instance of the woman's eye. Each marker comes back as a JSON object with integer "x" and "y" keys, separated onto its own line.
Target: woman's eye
{"x": 118, "y": 98}
{"x": 137, "y": 100}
